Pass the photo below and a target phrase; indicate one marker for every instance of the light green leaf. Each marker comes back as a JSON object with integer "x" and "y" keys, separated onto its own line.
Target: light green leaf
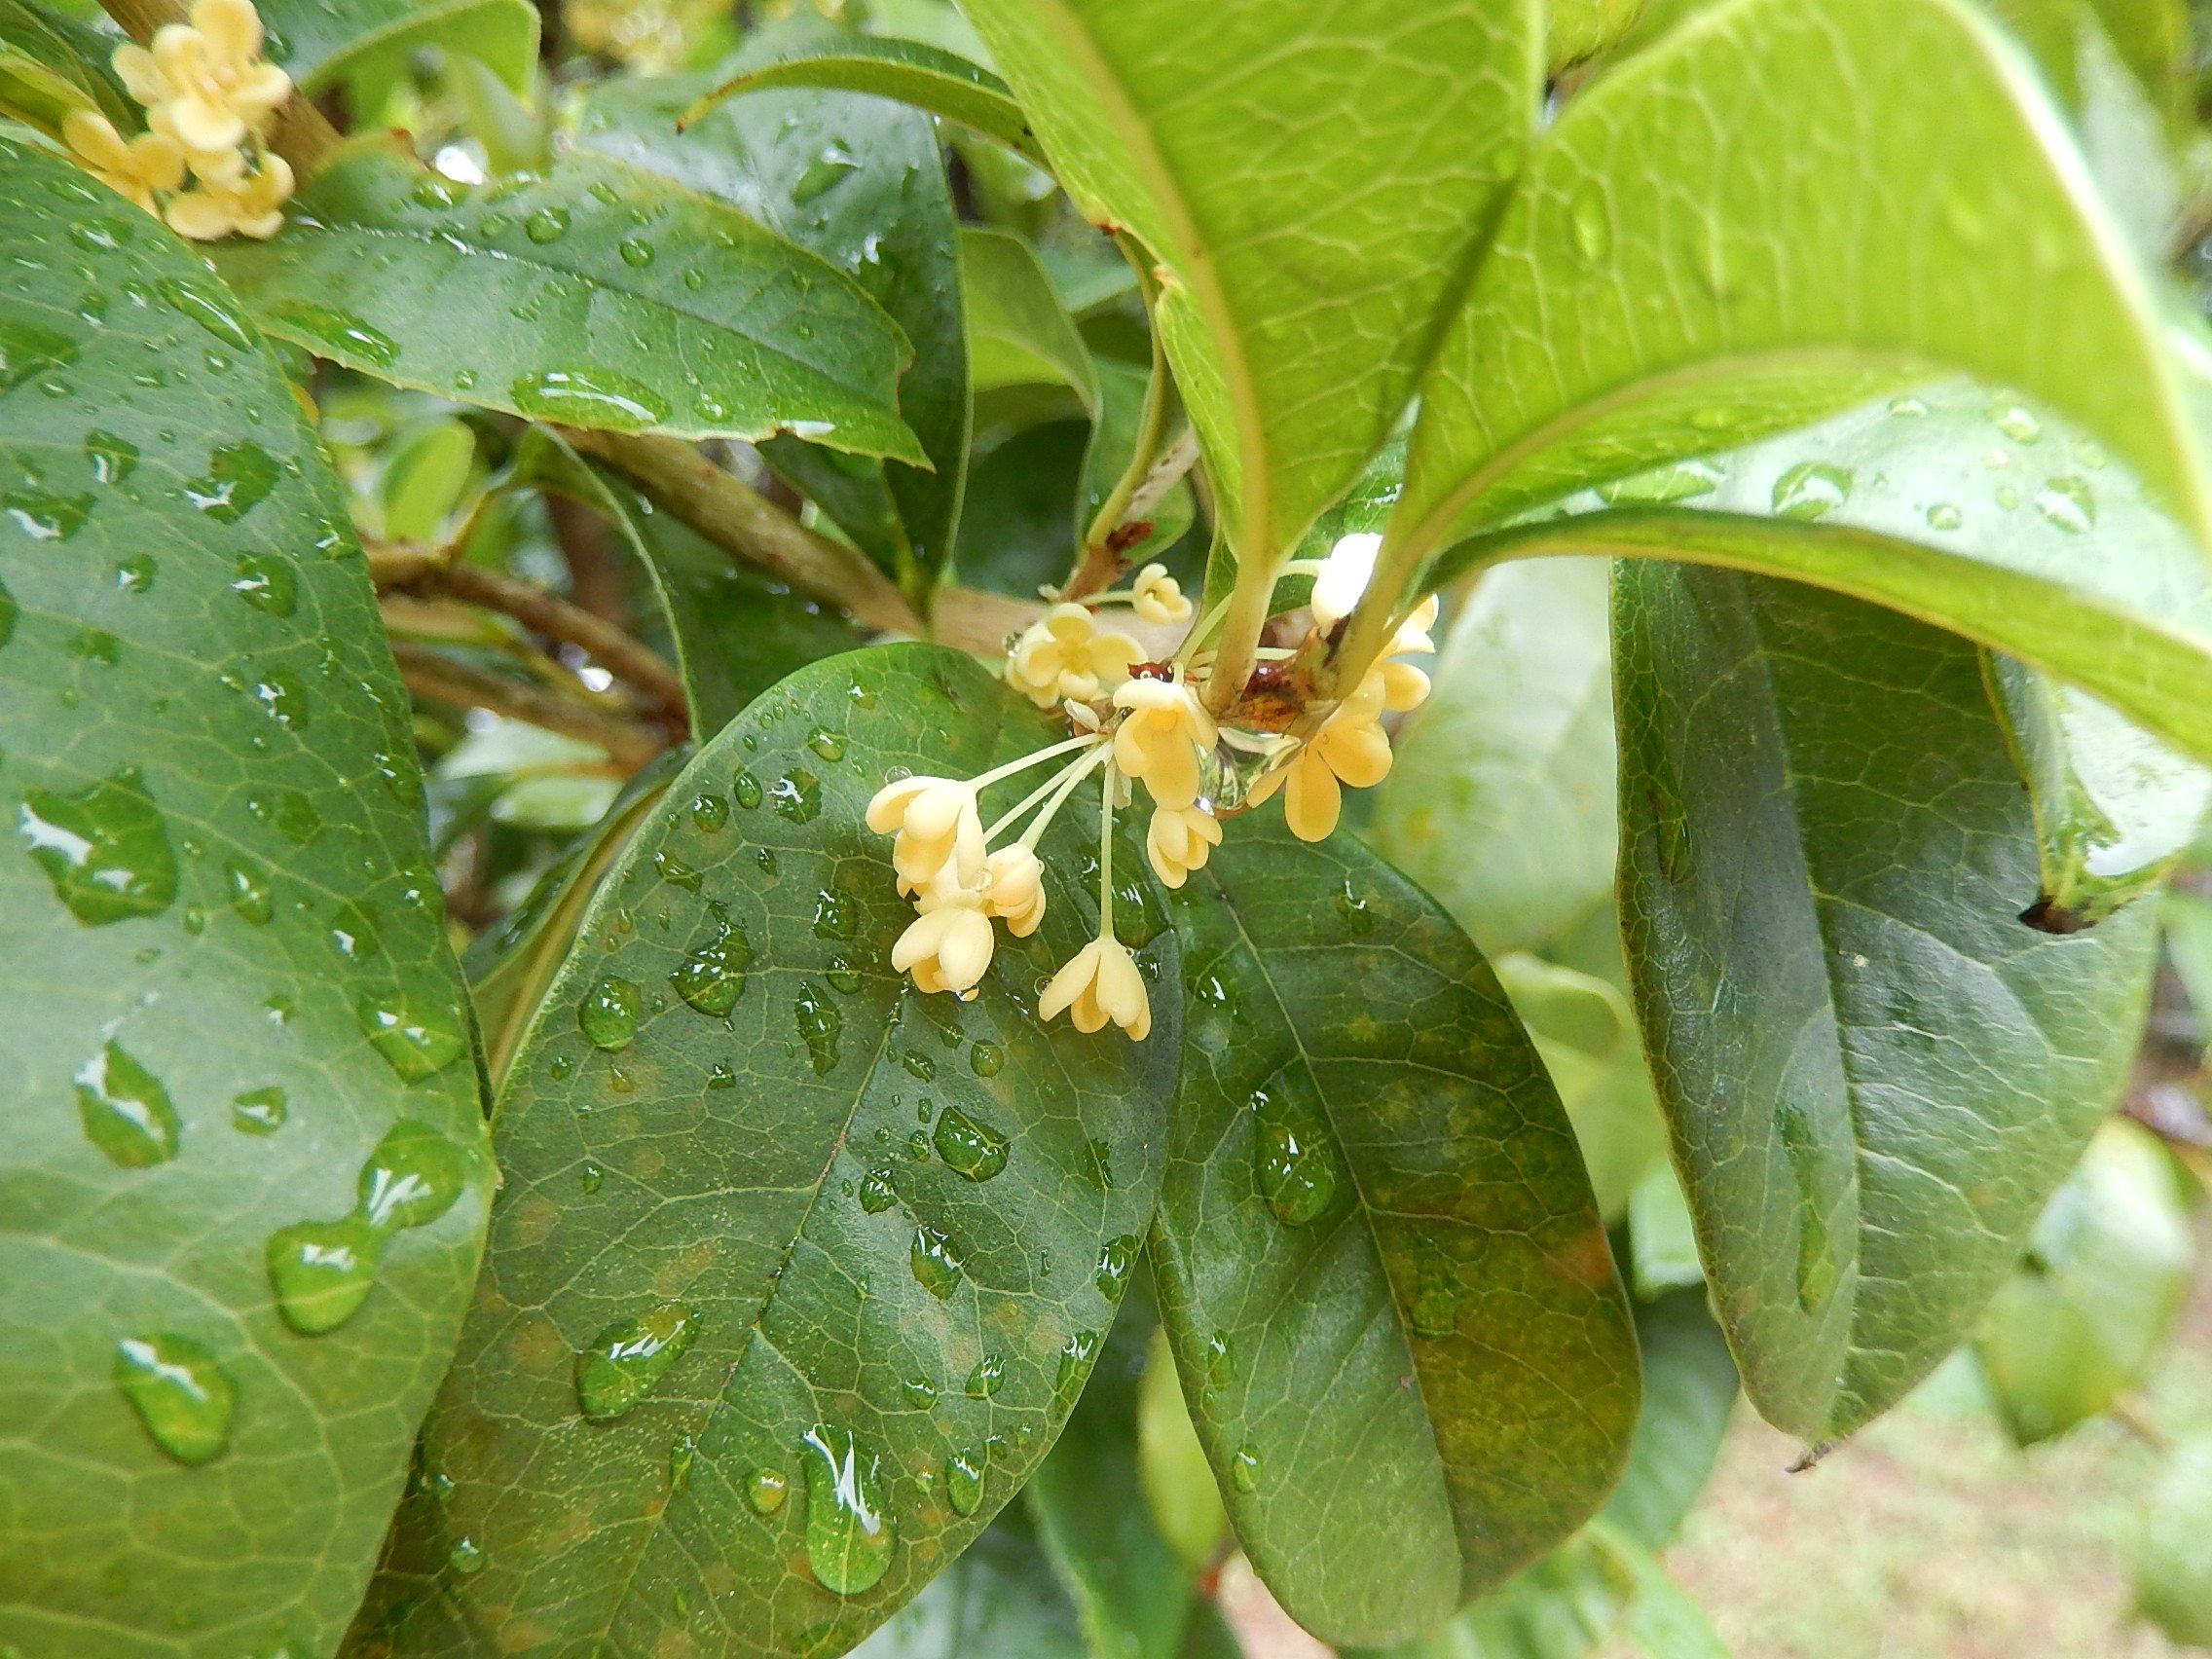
{"x": 1178, "y": 1481}
{"x": 423, "y": 478}
{"x": 1088, "y": 1500}
{"x": 1874, "y": 1073}
{"x": 50, "y": 63}
{"x": 1501, "y": 800}
{"x": 1115, "y": 433}
{"x": 2187, "y": 918}
{"x": 740, "y": 1120}
{"x": 1576, "y": 29}
{"x": 1371, "y": 1180}
{"x": 229, "y": 992}
{"x": 860, "y": 183}
{"x": 2114, "y": 807}
{"x": 1017, "y": 333}
{"x": 2106, "y": 1271}
{"x": 2173, "y": 1563}
{"x": 1662, "y": 1237}
{"x": 1882, "y": 192}
{"x": 1689, "y": 1392}
{"x": 587, "y": 296}
{"x": 1299, "y": 280}
{"x": 999, "y": 1601}
{"x": 911, "y": 71}
{"x": 320, "y": 42}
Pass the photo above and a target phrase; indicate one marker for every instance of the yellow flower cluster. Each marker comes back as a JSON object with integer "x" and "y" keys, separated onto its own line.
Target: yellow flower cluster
{"x": 209, "y": 98}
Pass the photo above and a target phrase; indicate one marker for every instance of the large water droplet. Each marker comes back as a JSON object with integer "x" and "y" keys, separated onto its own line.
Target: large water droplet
{"x": 546, "y": 224}
{"x": 323, "y": 1270}
{"x": 266, "y": 582}
{"x": 876, "y": 1193}
{"x": 259, "y": 1111}
{"x": 827, "y": 744}
{"x": 747, "y": 788}
{"x": 848, "y": 1535}
{"x": 796, "y": 796}
{"x": 106, "y": 848}
{"x": 467, "y": 1556}
{"x": 111, "y": 459}
{"x": 709, "y": 812}
{"x": 712, "y": 977}
{"x": 984, "y": 1380}
{"x": 125, "y": 1111}
{"x": 415, "y": 1042}
{"x": 608, "y": 1016}
{"x": 1944, "y": 516}
{"x": 830, "y": 167}
{"x": 179, "y": 1393}
{"x": 637, "y": 251}
{"x": 767, "y": 1490}
{"x": 347, "y": 338}
{"x": 2068, "y": 504}
{"x": 589, "y": 398}
{"x": 937, "y": 1262}
{"x": 964, "y": 1481}
{"x": 970, "y": 1149}
{"x": 204, "y": 305}
{"x": 412, "y": 1177}
{"x": 1592, "y": 225}
{"x": 26, "y": 350}
{"x": 836, "y": 916}
{"x": 1117, "y": 1257}
{"x": 1294, "y": 1161}
{"x": 819, "y": 1028}
{"x": 239, "y": 479}
{"x": 1244, "y": 1468}
{"x": 1221, "y": 1361}
{"x": 2014, "y": 419}
{"x": 1076, "y": 1355}
{"x": 629, "y": 1356}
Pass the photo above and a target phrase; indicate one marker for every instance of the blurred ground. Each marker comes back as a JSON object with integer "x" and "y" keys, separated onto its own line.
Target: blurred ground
{"x": 1929, "y": 1537}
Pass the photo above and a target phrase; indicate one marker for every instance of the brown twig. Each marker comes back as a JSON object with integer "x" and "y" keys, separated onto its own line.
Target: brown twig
{"x": 544, "y": 613}
{"x": 597, "y": 580}
{"x": 738, "y": 519}
{"x": 629, "y": 743}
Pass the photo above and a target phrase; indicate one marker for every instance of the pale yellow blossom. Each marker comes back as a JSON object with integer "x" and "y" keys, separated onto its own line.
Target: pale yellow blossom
{"x": 1179, "y": 840}
{"x": 206, "y": 78}
{"x": 1163, "y": 730}
{"x": 936, "y": 825}
{"x": 948, "y": 944}
{"x": 1100, "y": 983}
{"x": 250, "y": 205}
{"x": 1350, "y": 748}
{"x": 1063, "y": 655}
{"x": 1413, "y": 632}
{"x": 1157, "y": 597}
{"x": 135, "y": 167}
{"x": 1404, "y": 686}
{"x": 1015, "y": 890}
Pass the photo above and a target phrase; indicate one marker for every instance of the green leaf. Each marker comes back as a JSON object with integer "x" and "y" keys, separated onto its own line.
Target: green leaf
{"x": 1576, "y": 29}
{"x": 1390, "y": 136}
{"x": 1874, "y": 1073}
{"x": 2107, "y": 1270}
{"x": 1371, "y": 1181}
{"x": 1115, "y": 433}
{"x": 861, "y": 184}
{"x": 999, "y": 1601}
{"x": 322, "y": 42}
{"x": 1017, "y": 333}
{"x": 1985, "y": 515}
{"x": 910, "y": 71}
{"x": 585, "y": 296}
{"x": 1882, "y": 192}
{"x": 50, "y": 63}
{"x": 768, "y": 1175}
{"x": 1689, "y": 1392}
{"x": 1502, "y": 799}
{"x": 1178, "y": 1481}
{"x": 2173, "y": 1563}
{"x": 509, "y": 966}
{"x": 2114, "y": 807}
{"x": 1088, "y": 1499}
{"x": 1019, "y": 529}
{"x": 232, "y": 1000}
{"x": 423, "y": 478}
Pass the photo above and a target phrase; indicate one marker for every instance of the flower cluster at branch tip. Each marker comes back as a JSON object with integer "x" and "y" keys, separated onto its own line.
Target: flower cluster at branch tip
{"x": 209, "y": 98}
{"x": 1137, "y": 722}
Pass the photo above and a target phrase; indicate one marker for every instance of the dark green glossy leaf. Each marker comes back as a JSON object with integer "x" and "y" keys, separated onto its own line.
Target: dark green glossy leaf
{"x": 1874, "y": 1072}
{"x": 1502, "y": 799}
{"x": 231, "y": 984}
{"x": 1087, "y": 1498}
{"x": 1390, "y": 134}
{"x": 1017, "y": 332}
{"x": 509, "y": 966}
{"x": 772, "y": 1169}
{"x": 319, "y": 42}
{"x": 999, "y": 1601}
{"x": 860, "y": 183}
{"x": 1838, "y": 241}
{"x": 1689, "y": 1391}
{"x": 1371, "y": 1181}
{"x": 597, "y": 295}
{"x": 1019, "y": 529}
{"x": 911, "y": 71}
{"x": 2106, "y": 1271}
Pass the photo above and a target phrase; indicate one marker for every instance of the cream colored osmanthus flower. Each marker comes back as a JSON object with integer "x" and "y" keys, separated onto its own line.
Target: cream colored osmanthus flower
{"x": 1178, "y": 841}
{"x": 1099, "y": 984}
{"x": 1064, "y": 655}
{"x": 250, "y": 205}
{"x": 949, "y": 944}
{"x": 134, "y": 168}
{"x": 204, "y": 83}
{"x": 1163, "y": 730}
{"x": 1157, "y": 597}
{"x": 938, "y": 828}
{"x": 1014, "y": 888}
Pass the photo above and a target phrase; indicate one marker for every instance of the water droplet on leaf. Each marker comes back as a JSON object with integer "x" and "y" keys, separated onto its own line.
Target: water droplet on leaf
{"x": 125, "y": 1111}
{"x": 628, "y": 1357}
{"x": 970, "y": 1149}
{"x": 179, "y": 1393}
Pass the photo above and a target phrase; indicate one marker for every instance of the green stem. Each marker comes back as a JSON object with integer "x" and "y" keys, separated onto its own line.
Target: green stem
{"x": 1106, "y": 855}
{"x": 1065, "y": 785}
